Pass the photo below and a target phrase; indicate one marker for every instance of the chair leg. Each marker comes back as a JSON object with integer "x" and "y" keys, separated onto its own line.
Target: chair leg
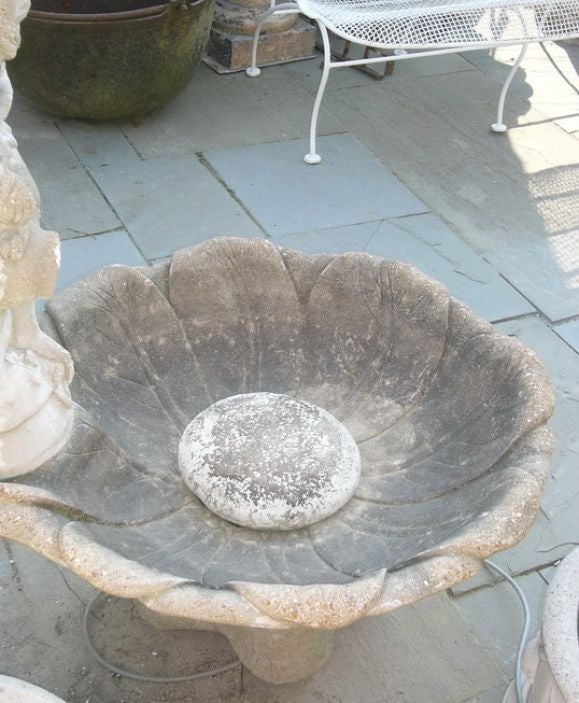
{"x": 312, "y": 157}
{"x": 288, "y": 7}
{"x": 499, "y": 126}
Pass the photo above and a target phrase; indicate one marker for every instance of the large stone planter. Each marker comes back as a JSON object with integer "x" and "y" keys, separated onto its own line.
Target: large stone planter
{"x": 108, "y": 59}
{"x": 551, "y": 660}
{"x": 360, "y": 441}
{"x": 17, "y": 691}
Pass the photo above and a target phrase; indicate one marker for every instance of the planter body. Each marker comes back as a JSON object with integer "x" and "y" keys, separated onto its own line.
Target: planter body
{"x": 551, "y": 660}
{"x": 17, "y": 691}
{"x": 110, "y": 65}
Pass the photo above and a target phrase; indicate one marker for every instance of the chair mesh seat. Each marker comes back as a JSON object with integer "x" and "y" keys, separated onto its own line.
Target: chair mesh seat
{"x": 435, "y": 24}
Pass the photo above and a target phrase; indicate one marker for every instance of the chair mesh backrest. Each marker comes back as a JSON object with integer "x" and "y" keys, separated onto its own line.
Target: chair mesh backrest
{"x": 414, "y": 24}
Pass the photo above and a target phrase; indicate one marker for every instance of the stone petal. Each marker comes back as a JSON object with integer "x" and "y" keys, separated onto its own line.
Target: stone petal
{"x": 106, "y": 570}
{"x": 182, "y": 543}
{"x": 194, "y": 544}
{"x": 305, "y": 269}
{"x": 326, "y": 606}
{"x": 375, "y": 332}
{"x": 134, "y": 370}
{"x": 92, "y": 476}
{"x": 523, "y": 472}
{"x": 33, "y": 526}
{"x": 241, "y": 313}
{"x": 488, "y": 391}
{"x": 486, "y": 515}
{"x": 200, "y": 604}
{"x": 423, "y": 579}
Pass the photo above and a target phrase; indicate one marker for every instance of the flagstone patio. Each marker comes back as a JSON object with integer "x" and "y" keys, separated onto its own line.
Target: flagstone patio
{"x": 411, "y": 171}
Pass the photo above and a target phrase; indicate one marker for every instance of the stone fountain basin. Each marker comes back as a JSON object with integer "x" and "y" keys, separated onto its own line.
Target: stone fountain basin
{"x": 448, "y": 417}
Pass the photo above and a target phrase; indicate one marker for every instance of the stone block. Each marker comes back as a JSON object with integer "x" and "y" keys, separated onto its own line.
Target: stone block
{"x": 232, "y": 52}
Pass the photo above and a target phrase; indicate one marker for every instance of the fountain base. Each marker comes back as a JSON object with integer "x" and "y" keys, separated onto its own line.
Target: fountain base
{"x": 276, "y": 656}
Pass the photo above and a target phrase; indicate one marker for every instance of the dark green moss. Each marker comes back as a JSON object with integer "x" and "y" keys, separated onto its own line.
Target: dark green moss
{"x": 110, "y": 68}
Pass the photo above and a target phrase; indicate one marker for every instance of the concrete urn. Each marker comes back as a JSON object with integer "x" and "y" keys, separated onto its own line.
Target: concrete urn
{"x": 551, "y": 660}
{"x": 14, "y": 690}
{"x": 275, "y": 445}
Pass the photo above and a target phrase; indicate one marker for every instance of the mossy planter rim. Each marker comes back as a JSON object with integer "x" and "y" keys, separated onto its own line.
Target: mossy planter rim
{"x": 112, "y": 16}
{"x": 112, "y": 64}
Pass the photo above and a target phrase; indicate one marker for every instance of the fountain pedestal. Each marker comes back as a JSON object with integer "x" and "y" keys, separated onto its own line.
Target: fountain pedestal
{"x": 275, "y": 656}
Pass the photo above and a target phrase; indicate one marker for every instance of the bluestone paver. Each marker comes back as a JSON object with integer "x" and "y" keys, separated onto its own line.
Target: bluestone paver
{"x": 569, "y": 331}
{"x": 83, "y": 255}
{"x": 434, "y": 134}
{"x": 308, "y": 73}
{"x": 548, "y": 573}
{"x": 423, "y": 652}
{"x": 552, "y": 91}
{"x": 427, "y": 243}
{"x": 496, "y": 615}
{"x": 98, "y": 144}
{"x": 544, "y": 271}
{"x": 557, "y": 523}
{"x": 511, "y": 200}
{"x": 228, "y": 111}
{"x": 493, "y": 695}
{"x": 71, "y": 202}
{"x": 350, "y": 186}
{"x": 47, "y": 647}
{"x": 169, "y": 204}
{"x": 562, "y": 365}
{"x": 334, "y": 240}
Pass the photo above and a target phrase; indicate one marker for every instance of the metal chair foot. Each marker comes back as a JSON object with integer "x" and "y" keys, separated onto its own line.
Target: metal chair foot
{"x": 253, "y": 72}
{"x": 499, "y": 127}
{"x": 312, "y": 159}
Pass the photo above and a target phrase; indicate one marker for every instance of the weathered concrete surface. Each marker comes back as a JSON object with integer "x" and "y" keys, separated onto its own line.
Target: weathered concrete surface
{"x": 556, "y": 525}
{"x": 298, "y": 464}
{"x": 420, "y": 653}
{"x": 448, "y": 417}
{"x": 557, "y": 672}
{"x": 46, "y": 645}
{"x": 494, "y": 613}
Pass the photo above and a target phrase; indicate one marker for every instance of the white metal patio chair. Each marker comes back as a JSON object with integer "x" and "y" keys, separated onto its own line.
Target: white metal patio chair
{"x": 418, "y": 28}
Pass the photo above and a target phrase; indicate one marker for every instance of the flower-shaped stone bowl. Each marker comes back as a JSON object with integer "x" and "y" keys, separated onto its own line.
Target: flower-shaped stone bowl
{"x": 275, "y": 445}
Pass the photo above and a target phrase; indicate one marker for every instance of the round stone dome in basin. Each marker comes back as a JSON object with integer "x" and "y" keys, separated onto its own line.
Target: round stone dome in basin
{"x": 415, "y": 430}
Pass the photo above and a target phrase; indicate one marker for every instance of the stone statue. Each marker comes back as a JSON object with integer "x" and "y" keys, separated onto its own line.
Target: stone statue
{"x": 35, "y": 403}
